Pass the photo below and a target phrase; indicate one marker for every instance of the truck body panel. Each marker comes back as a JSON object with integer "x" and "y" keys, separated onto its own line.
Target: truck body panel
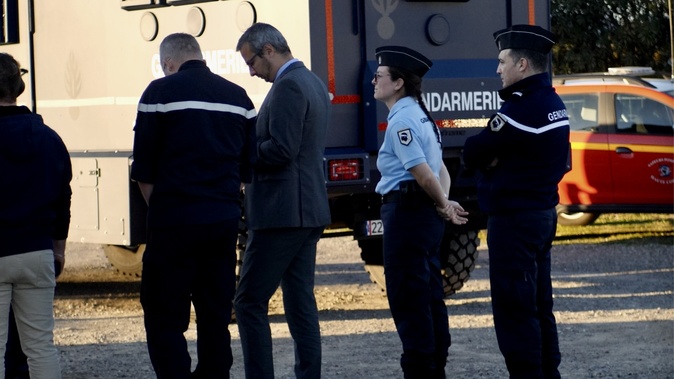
{"x": 89, "y": 62}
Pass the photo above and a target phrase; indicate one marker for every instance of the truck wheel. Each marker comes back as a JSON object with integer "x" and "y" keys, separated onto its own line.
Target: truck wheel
{"x": 127, "y": 260}
{"x": 458, "y": 251}
{"x": 576, "y": 218}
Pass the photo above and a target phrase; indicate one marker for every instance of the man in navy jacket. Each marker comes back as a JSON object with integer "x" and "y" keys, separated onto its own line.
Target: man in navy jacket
{"x": 34, "y": 219}
{"x": 193, "y": 147}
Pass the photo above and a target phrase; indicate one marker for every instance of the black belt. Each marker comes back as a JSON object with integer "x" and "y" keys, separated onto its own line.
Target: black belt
{"x": 391, "y": 197}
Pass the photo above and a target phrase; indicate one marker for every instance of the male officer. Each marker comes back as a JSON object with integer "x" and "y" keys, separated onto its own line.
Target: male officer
{"x": 193, "y": 146}
{"x": 522, "y": 155}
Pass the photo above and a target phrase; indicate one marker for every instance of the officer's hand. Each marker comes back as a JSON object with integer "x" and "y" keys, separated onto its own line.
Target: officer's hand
{"x": 59, "y": 263}
{"x": 59, "y": 256}
{"x": 453, "y": 212}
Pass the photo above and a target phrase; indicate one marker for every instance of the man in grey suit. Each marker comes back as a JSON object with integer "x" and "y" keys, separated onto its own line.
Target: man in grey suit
{"x": 286, "y": 205}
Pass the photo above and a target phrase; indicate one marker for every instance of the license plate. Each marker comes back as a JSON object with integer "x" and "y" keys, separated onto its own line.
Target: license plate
{"x": 374, "y": 228}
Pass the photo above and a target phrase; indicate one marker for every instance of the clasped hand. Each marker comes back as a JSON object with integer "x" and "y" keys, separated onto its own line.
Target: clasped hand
{"x": 453, "y": 212}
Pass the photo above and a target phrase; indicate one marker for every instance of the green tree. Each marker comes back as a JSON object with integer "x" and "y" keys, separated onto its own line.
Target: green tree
{"x": 597, "y": 34}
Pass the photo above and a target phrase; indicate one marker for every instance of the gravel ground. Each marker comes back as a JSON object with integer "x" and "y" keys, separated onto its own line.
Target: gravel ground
{"x": 614, "y": 304}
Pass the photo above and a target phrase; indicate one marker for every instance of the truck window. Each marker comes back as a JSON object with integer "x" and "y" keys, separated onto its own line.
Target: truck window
{"x": 640, "y": 115}
{"x": 9, "y": 15}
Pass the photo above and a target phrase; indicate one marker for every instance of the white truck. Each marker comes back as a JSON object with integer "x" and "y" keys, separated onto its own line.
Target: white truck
{"x": 90, "y": 60}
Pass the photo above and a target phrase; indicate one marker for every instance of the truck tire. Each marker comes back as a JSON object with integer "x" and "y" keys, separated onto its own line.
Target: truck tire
{"x": 458, "y": 251}
{"x": 127, "y": 260}
{"x": 576, "y": 218}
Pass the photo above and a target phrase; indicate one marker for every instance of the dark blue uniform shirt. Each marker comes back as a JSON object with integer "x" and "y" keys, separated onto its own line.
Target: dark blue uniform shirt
{"x": 194, "y": 140}
{"x": 529, "y": 138}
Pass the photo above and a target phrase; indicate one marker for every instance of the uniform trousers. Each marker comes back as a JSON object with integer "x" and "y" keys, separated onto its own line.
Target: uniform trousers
{"x": 414, "y": 287}
{"x": 27, "y": 282}
{"x": 285, "y": 256}
{"x": 521, "y": 291}
{"x": 182, "y": 265}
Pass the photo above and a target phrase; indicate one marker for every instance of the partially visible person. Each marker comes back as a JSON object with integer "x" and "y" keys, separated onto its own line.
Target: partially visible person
{"x": 193, "y": 143}
{"x": 523, "y": 154}
{"x": 35, "y": 216}
{"x": 286, "y": 205}
{"x": 414, "y": 186}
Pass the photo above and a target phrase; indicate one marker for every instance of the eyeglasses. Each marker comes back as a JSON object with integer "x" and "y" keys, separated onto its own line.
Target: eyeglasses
{"x": 251, "y": 61}
{"x": 378, "y": 76}
{"x": 23, "y": 71}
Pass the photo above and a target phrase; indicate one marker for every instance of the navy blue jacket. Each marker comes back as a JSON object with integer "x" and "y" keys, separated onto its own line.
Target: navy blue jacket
{"x": 195, "y": 141}
{"x": 35, "y": 185}
{"x": 529, "y": 137}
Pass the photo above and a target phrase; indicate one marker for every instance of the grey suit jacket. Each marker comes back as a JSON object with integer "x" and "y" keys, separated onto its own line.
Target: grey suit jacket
{"x": 288, "y": 186}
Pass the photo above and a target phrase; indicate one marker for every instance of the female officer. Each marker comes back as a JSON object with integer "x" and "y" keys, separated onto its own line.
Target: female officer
{"x": 414, "y": 186}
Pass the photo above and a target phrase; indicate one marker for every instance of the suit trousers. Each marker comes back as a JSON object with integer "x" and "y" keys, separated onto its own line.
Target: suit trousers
{"x": 414, "y": 287}
{"x": 521, "y": 291}
{"x": 27, "y": 282}
{"x": 183, "y": 264}
{"x": 285, "y": 256}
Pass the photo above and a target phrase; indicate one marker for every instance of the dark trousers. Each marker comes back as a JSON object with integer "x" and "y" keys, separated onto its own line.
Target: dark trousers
{"x": 182, "y": 265}
{"x": 521, "y": 291}
{"x": 412, "y": 237}
{"x": 285, "y": 256}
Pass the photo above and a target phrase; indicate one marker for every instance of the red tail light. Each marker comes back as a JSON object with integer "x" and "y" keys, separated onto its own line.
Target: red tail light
{"x": 345, "y": 169}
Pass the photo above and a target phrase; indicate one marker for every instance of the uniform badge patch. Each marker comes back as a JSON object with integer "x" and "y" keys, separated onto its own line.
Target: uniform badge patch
{"x": 405, "y": 136}
{"x": 496, "y": 123}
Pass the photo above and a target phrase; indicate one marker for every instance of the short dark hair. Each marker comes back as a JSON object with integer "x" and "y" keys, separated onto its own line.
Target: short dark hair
{"x": 261, "y": 34}
{"x": 11, "y": 83}
{"x": 539, "y": 61}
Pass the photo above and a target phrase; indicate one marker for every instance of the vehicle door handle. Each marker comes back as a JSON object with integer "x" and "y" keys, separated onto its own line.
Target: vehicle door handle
{"x": 623, "y": 150}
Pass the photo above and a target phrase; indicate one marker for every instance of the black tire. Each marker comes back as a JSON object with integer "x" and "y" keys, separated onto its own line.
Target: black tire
{"x": 576, "y": 218}
{"x": 458, "y": 251}
{"x": 127, "y": 260}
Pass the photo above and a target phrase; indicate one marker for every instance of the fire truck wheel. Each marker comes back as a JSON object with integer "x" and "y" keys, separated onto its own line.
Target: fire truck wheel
{"x": 576, "y": 218}
{"x": 458, "y": 251}
{"x": 127, "y": 260}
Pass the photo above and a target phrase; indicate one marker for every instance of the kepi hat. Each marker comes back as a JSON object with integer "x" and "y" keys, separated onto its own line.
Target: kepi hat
{"x": 528, "y": 37}
{"x": 403, "y": 58}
